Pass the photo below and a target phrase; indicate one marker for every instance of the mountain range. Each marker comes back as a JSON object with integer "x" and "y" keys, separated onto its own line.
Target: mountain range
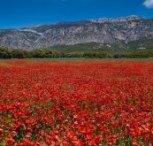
{"x": 108, "y": 31}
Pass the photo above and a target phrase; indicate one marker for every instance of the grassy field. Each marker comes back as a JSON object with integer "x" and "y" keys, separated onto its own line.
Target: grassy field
{"x": 80, "y": 59}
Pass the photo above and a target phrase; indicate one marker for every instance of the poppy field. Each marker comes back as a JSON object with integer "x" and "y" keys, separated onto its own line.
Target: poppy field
{"x": 76, "y": 103}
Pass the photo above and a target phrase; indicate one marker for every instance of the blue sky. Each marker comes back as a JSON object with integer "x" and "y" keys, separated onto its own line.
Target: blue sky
{"x": 20, "y": 13}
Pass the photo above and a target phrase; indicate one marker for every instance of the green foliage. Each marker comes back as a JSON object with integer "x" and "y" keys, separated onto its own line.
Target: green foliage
{"x": 46, "y": 53}
{"x": 140, "y": 54}
{"x": 91, "y": 50}
{"x": 13, "y": 53}
{"x": 148, "y": 44}
{"x": 97, "y": 55}
{"x": 136, "y": 54}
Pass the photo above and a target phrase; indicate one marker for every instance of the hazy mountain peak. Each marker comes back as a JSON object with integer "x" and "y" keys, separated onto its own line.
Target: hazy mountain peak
{"x": 121, "y": 19}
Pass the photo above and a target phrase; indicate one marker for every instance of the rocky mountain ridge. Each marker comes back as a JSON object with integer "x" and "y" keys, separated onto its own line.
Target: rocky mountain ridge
{"x": 103, "y": 30}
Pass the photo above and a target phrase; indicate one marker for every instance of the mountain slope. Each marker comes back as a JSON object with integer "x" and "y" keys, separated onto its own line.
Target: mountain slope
{"x": 103, "y": 31}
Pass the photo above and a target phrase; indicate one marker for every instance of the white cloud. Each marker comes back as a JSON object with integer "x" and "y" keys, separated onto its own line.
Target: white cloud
{"x": 148, "y": 3}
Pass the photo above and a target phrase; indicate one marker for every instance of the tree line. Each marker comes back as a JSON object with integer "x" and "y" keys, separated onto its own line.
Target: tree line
{"x": 7, "y": 53}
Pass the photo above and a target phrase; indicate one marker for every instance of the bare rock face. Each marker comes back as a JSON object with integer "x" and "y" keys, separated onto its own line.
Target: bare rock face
{"x": 103, "y": 30}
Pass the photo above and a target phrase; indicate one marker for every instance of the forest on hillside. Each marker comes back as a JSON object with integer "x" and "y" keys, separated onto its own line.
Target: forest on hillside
{"x": 74, "y": 52}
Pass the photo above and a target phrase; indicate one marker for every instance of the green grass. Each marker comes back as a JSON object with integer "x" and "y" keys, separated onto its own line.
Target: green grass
{"x": 87, "y": 59}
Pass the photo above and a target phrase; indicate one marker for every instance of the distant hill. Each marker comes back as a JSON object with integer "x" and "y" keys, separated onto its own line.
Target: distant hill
{"x": 127, "y": 32}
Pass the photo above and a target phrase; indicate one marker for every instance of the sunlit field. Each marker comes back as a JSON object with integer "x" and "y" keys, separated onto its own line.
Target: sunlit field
{"x": 76, "y": 103}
